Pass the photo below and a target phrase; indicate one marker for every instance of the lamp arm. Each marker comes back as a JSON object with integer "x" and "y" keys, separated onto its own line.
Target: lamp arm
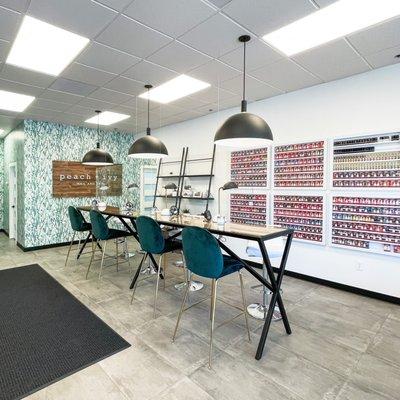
{"x": 219, "y": 200}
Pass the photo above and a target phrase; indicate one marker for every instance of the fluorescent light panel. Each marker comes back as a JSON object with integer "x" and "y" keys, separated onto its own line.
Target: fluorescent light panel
{"x": 175, "y": 89}
{"x": 14, "y": 101}
{"x": 43, "y": 47}
{"x": 107, "y": 118}
{"x": 332, "y": 22}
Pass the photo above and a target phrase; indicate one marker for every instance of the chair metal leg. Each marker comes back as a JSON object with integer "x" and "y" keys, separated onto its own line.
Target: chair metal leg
{"x": 102, "y": 257}
{"x": 136, "y": 276}
{"x": 213, "y": 306}
{"x": 244, "y": 304}
{"x": 126, "y": 252}
{"x": 78, "y": 248}
{"x": 164, "y": 268}
{"x": 116, "y": 253}
{"x": 212, "y": 298}
{"x": 94, "y": 243}
{"x": 185, "y": 295}
{"x": 157, "y": 282}
{"x": 69, "y": 248}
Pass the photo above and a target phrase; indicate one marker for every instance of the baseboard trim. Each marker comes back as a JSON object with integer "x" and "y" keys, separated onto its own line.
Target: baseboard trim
{"x": 46, "y": 246}
{"x": 336, "y": 285}
{"x": 297, "y": 275}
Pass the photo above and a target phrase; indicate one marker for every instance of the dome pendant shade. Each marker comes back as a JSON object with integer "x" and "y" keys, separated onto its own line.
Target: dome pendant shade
{"x": 148, "y": 146}
{"x": 97, "y": 157}
{"x": 244, "y": 129}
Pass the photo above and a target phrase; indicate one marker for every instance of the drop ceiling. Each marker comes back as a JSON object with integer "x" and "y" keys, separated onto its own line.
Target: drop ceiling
{"x": 134, "y": 42}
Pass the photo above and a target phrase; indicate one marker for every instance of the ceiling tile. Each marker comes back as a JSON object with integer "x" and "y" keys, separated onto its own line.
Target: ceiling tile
{"x": 17, "y": 5}
{"x": 110, "y": 96}
{"x": 178, "y": 57}
{"x": 332, "y": 61}
{"x": 140, "y": 105}
{"x": 127, "y": 35}
{"x": 255, "y": 90}
{"x": 74, "y": 87}
{"x": 220, "y": 3}
{"x": 82, "y": 73}
{"x": 261, "y": 16}
{"x": 168, "y": 110}
{"x": 107, "y": 59}
{"x": 83, "y": 111}
{"x": 118, "y": 5}
{"x": 187, "y": 103}
{"x": 4, "y": 47}
{"x": 123, "y": 109}
{"x": 216, "y": 36}
{"x": 60, "y": 96}
{"x": 212, "y": 95}
{"x": 147, "y": 72}
{"x": 20, "y": 88}
{"x": 172, "y": 17}
{"x": 384, "y": 57}
{"x": 285, "y": 75}
{"x": 51, "y": 105}
{"x": 95, "y": 104}
{"x": 20, "y": 75}
{"x": 377, "y": 38}
{"x": 45, "y": 114}
{"x": 258, "y": 54}
{"x": 213, "y": 72}
{"x": 84, "y": 17}
{"x": 125, "y": 85}
{"x": 9, "y": 24}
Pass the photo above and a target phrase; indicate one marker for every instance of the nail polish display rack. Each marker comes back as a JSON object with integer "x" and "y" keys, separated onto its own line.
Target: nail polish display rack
{"x": 367, "y": 223}
{"x": 249, "y": 168}
{"x": 371, "y": 161}
{"x": 304, "y": 214}
{"x": 299, "y": 165}
{"x": 250, "y": 209}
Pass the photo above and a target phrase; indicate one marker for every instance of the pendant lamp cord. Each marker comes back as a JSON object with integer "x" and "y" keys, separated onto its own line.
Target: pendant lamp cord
{"x": 98, "y": 129}
{"x": 148, "y": 111}
{"x": 244, "y": 102}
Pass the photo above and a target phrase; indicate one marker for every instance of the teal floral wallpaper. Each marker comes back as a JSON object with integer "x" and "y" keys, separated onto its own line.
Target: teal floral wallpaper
{"x": 46, "y": 220}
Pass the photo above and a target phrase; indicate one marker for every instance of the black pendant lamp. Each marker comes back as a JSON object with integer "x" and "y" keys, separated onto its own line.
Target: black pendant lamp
{"x": 244, "y": 129}
{"x": 148, "y": 146}
{"x": 97, "y": 157}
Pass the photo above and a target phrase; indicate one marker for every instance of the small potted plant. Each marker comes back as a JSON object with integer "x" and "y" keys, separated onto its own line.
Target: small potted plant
{"x": 185, "y": 211}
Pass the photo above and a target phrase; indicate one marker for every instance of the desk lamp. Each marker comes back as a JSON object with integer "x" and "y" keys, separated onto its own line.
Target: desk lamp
{"x": 228, "y": 186}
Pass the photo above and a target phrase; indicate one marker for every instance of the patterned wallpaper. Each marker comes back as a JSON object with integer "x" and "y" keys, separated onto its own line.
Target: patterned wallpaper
{"x": 43, "y": 219}
{"x": 46, "y": 219}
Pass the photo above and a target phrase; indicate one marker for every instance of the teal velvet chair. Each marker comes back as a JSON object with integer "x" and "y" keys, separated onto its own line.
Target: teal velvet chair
{"x": 102, "y": 233}
{"x": 152, "y": 242}
{"x": 78, "y": 225}
{"x": 203, "y": 257}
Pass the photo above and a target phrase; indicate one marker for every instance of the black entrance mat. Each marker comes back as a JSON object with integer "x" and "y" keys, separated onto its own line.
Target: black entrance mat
{"x": 45, "y": 333}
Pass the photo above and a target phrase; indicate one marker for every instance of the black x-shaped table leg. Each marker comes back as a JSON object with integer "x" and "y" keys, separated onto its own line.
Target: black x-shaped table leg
{"x": 85, "y": 243}
{"x": 274, "y": 286}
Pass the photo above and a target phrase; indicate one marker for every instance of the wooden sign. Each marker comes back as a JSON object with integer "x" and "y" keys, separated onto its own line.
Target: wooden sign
{"x": 73, "y": 179}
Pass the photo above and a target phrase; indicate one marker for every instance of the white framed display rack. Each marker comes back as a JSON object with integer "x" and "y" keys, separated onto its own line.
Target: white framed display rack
{"x": 369, "y": 223}
{"x": 369, "y": 162}
{"x": 250, "y": 168}
{"x": 300, "y": 165}
{"x": 304, "y": 212}
{"x": 249, "y": 208}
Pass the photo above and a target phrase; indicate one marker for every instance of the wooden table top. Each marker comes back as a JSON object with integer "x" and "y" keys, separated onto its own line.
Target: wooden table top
{"x": 181, "y": 221}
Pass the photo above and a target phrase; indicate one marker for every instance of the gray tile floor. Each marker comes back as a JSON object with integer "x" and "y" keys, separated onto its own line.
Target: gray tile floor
{"x": 343, "y": 346}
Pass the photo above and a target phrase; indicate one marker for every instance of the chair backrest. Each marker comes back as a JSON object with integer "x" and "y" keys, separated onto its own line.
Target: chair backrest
{"x": 76, "y": 218}
{"x": 203, "y": 255}
{"x": 150, "y": 235}
{"x": 100, "y": 228}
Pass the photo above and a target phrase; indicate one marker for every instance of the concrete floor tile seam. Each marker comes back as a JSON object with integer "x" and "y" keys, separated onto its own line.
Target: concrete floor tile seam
{"x": 348, "y": 381}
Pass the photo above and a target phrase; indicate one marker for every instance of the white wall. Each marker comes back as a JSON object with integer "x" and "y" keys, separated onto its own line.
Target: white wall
{"x": 365, "y": 103}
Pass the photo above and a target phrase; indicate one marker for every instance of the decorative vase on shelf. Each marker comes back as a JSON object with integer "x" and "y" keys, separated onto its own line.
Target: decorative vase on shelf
{"x": 102, "y": 205}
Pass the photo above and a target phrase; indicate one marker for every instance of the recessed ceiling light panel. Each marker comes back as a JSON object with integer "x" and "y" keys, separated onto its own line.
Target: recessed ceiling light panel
{"x": 332, "y": 22}
{"x": 14, "y": 101}
{"x": 107, "y": 118}
{"x": 43, "y": 47}
{"x": 175, "y": 89}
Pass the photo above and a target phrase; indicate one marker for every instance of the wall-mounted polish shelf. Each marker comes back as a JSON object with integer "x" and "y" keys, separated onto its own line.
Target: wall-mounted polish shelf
{"x": 248, "y": 209}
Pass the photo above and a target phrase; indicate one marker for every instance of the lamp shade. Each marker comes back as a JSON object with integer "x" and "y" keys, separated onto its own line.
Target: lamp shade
{"x": 230, "y": 185}
{"x": 97, "y": 157}
{"x": 171, "y": 185}
{"x": 133, "y": 186}
{"x": 148, "y": 147}
{"x": 243, "y": 129}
